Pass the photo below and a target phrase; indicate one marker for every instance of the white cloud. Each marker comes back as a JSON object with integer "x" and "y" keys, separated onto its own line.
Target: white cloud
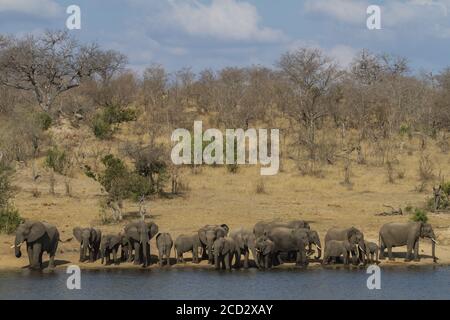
{"x": 343, "y": 55}
{"x": 40, "y": 8}
{"x": 221, "y": 19}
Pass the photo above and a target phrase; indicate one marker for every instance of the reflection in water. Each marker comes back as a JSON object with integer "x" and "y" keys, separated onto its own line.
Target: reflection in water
{"x": 396, "y": 283}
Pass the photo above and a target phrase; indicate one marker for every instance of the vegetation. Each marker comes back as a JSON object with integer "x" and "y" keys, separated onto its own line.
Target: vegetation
{"x": 419, "y": 215}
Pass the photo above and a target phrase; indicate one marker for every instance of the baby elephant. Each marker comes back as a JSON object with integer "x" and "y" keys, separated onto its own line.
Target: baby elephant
{"x": 372, "y": 249}
{"x": 164, "y": 244}
{"x": 335, "y": 249}
{"x": 224, "y": 249}
{"x": 110, "y": 244}
{"x": 185, "y": 243}
{"x": 265, "y": 249}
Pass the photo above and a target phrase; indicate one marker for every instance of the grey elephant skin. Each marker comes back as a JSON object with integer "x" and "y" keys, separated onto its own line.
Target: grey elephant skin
{"x": 139, "y": 234}
{"x": 89, "y": 239}
{"x": 164, "y": 243}
{"x": 245, "y": 241}
{"x": 289, "y": 240}
{"x": 354, "y": 236}
{"x": 335, "y": 249}
{"x": 186, "y": 243}
{"x": 224, "y": 249}
{"x": 372, "y": 251}
{"x": 39, "y": 237}
{"x": 266, "y": 250}
{"x": 207, "y": 235}
{"x": 263, "y": 226}
{"x": 110, "y": 244}
{"x": 396, "y": 234}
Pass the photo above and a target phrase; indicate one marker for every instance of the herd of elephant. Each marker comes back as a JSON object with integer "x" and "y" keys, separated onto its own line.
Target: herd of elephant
{"x": 270, "y": 243}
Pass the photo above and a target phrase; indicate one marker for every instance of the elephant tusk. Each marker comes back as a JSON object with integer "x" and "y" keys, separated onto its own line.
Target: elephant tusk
{"x": 361, "y": 249}
{"x": 434, "y": 241}
{"x": 318, "y": 247}
{"x": 13, "y": 246}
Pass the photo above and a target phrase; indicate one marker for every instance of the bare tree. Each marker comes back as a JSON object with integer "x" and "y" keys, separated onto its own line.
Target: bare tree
{"x": 52, "y": 63}
{"x": 311, "y": 76}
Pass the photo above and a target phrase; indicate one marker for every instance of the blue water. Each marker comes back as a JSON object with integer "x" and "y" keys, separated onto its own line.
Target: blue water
{"x": 342, "y": 283}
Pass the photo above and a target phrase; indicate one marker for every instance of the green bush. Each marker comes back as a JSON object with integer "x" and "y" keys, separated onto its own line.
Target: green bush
{"x": 57, "y": 160}
{"x": 140, "y": 186}
{"x": 44, "y": 120}
{"x": 101, "y": 128}
{"x": 9, "y": 220}
{"x": 446, "y": 188}
{"x": 103, "y": 122}
{"x": 419, "y": 215}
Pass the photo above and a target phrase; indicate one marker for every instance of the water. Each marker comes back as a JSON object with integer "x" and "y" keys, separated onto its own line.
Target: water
{"x": 396, "y": 283}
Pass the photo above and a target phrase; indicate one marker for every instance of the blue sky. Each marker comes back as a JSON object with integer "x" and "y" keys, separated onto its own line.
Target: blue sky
{"x": 217, "y": 33}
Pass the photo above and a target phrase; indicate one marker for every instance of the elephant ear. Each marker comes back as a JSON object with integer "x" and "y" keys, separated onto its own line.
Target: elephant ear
{"x": 153, "y": 229}
{"x": 77, "y": 233}
{"x": 36, "y": 231}
{"x": 225, "y": 227}
{"x": 113, "y": 241}
{"x": 267, "y": 248}
{"x": 351, "y": 233}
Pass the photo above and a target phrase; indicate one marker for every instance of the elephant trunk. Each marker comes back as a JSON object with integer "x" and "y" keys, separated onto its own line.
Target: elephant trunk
{"x": 17, "y": 243}
{"x": 319, "y": 251}
{"x": 255, "y": 256}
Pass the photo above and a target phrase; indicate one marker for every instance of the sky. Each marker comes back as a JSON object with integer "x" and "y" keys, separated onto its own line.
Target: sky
{"x": 217, "y": 33}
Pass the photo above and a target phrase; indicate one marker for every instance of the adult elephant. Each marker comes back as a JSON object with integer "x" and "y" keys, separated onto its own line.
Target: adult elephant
{"x": 207, "y": 235}
{"x": 263, "y": 226}
{"x": 313, "y": 239}
{"x": 89, "y": 239}
{"x": 396, "y": 234}
{"x": 289, "y": 240}
{"x": 354, "y": 236}
{"x": 39, "y": 237}
{"x": 245, "y": 240}
{"x": 139, "y": 234}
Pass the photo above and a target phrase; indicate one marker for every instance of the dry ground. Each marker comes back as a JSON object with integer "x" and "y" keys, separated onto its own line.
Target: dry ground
{"x": 216, "y": 196}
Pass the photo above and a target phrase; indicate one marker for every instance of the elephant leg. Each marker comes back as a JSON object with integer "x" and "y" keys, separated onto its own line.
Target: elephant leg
{"x": 30, "y": 254}
{"x": 160, "y": 259}
{"x": 37, "y": 256}
{"x": 237, "y": 263}
{"x": 81, "y": 253}
{"x": 409, "y": 248}
{"x": 227, "y": 260}
{"x": 382, "y": 247}
{"x": 267, "y": 261}
{"x": 51, "y": 261}
{"x": 137, "y": 250}
{"x": 416, "y": 251}
{"x": 216, "y": 262}
{"x": 114, "y": 252}
{"x": 246, "y": 257}
{"x": 195, "y": 255}
{"x": 389, "y": 249}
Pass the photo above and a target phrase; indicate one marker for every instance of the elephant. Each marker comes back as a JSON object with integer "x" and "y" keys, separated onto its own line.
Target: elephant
{"x": 164, "y": 243}
{"x": 185, "y": 243}
{"x": 289, "y": 240}
{"x": 265, "y": 249}
{"x": 224, "y": 248}
{"x": 262, "y": 226}
{"x": 110, "y": 244}
{"x": 207, "y": 235}
{"x": 139, "y": 233}
{"x": 40, "y": 237}
{"x": 396, "y": 234}
{"x": 89, "y": 239}
{"x": 354, "y": 236}
{"x": 372, "y": 251}
{"x": 335, "y": 249}
{"x": 313, "y": 239}
{"x": 245, "y": 240}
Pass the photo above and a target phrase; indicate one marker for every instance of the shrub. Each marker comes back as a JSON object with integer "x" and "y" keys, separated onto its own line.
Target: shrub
{"x": 419, "y": 215}
{"x": 57, "y": 160}
{"x": 446, "y": 188}
{"x": 425, "y": 168}
{"x": 115, "y": 178}
{"x": 101, "y": 128}
{"x": 44, "y": 120}
{"x": 9, "y": 220}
